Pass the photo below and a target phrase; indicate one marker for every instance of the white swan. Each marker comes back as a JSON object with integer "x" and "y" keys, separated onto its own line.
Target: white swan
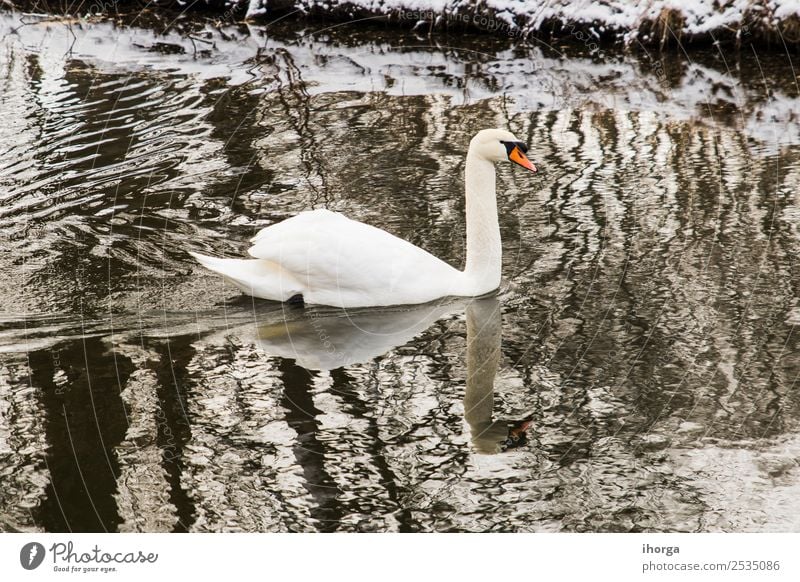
{"x": 322, "y": 257}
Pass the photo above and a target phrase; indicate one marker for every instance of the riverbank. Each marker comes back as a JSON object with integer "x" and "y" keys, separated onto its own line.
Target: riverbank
{"x": 768, "y": 23}
{"x": 627, "y": 22}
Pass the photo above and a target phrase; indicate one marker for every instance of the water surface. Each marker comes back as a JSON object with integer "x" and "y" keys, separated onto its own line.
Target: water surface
{"x": 637, "y": 371}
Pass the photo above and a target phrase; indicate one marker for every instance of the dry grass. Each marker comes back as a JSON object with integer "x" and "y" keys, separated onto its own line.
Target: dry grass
{"x": 789, "y": 29}
{"x": 666, "y": 29}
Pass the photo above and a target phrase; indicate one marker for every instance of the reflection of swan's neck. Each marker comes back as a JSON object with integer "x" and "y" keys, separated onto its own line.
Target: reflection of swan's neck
{"x": 484, "y": 249}
{"x": 483, "y": 359}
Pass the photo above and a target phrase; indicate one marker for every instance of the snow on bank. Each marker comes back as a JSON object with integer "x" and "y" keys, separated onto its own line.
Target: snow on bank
{"x": 654, "y": 21}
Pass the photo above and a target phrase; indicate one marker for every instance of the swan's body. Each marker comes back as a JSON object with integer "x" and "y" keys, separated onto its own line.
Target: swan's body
{"x": 328, "y": 259}
{"x": 332, "y": 260}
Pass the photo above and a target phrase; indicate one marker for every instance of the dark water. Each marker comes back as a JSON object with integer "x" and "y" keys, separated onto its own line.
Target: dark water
{"x": 638, "y": 369}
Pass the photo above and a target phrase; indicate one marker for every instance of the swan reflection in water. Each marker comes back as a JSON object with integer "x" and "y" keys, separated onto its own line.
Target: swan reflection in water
{"x": 484, "y": 332}
{"x": 329, "y": 338}
{"x": 326, "y": 339}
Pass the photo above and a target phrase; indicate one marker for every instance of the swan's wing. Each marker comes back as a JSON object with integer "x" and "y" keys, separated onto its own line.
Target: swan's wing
{"x": 328, "y": 252}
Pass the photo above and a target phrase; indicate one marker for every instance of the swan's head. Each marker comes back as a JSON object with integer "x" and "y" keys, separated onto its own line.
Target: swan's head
{"x": 500, "y": 436}
{"x": 498, "y": 145}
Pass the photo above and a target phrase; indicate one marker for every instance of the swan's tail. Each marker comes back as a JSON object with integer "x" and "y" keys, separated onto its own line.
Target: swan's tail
{"x": 255, "y": 277}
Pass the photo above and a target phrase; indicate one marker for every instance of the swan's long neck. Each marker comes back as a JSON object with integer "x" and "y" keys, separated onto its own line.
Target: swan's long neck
{"x": 484, "y": 249}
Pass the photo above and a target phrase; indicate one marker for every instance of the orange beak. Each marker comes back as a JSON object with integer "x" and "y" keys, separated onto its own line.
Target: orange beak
{"x": 518, "y": 157}
{"x": 523, "y": 426}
